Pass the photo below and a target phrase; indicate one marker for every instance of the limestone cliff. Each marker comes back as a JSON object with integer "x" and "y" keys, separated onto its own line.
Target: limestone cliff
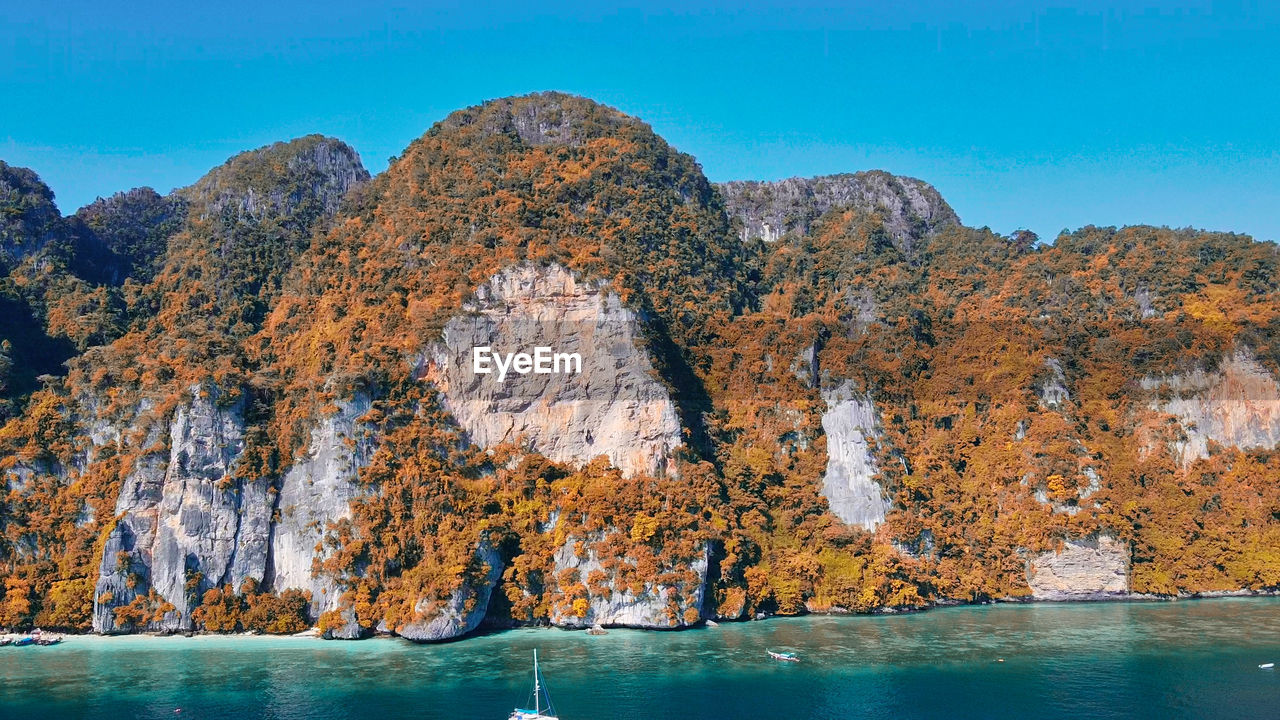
{"x": 673, "y": 600}
{"x": 272, "y": 384}
{"x": 613, "y": 406}
{"x": 315, "y": 174}
{"x": 851, "y": 425}
{"x": 911, "y": 209}
{"x": 316, "y": 491}
{"x": 1236, "y": 405}
{"x": 190, "y": 515}
{"x": 186, "y": 524}
{"x": 463, "y": 610}
{"x": 1094, "y": 568}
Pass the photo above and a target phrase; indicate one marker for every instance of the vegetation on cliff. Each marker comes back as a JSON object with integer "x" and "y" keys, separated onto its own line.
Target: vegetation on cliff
{"x": 1008, "y": 376}
{"x": 218, "y": 251}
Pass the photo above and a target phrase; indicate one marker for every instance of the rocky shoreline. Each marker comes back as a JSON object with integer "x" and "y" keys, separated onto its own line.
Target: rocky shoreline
{"x": 486, "y": 628}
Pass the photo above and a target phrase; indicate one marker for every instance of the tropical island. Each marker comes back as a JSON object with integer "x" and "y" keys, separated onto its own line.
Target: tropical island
{"x": 235, "y": 407}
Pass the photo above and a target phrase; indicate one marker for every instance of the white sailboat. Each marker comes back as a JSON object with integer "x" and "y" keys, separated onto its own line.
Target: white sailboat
{"x": 540, "y": 710}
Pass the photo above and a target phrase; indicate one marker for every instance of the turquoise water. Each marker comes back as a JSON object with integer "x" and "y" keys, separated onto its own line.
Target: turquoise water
{"x": 1195, "y": 659}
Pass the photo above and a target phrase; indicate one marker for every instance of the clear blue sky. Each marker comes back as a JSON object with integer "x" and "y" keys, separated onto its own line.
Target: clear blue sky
{"x": 1024, "y": 114}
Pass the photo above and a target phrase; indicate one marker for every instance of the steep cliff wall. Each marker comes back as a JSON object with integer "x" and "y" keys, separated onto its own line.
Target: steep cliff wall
{"x": 316, "y": 491}
{"x": 1085, "y": 569}
{"x": 192, "y": 515}
{"x": 849, "y": 484}
{"x": 188, "y": 524}
{"x": 1236, "y": 405}
{"x": 124, "y": 568}
{"x": 615, "y": 406}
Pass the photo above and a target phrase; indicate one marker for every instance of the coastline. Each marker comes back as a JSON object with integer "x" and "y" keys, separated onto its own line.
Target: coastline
{"x": 313, "y": 634}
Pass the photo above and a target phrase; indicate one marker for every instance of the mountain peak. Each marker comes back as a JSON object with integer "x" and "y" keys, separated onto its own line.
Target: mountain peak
{"x": 28, "y": 216}
{"x": 543, "y": 118}
{"x": 911, "y": 209}
{"x": 307, "y": 176}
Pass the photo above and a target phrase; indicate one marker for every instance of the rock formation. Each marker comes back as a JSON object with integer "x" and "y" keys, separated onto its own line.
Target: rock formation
{"x": 849, "y": 484}
{"x": 186, "y": 525}
{"x": 655, "y": 604}
{"x": 1094, "y": 568}
{"x": 911, "y": 209}
{"x": 263, "y": 387}
{"x": 318, "y": 172}
{"x": 463, "y": 610}
{"x": 1237, "y": 405}
{"x": 316, "y": 491}
{"x": 614, "y": 406}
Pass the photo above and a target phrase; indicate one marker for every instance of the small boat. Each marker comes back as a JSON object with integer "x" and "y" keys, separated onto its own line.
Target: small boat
{"x": 24, "y": 641}
{"x": 6, "y": 640}
{"x": 597, "y": 630}
{"x": 46, "y": 640}
{"x": 1267, "y": 666}
{"x": 539, "y": 711}
{"x": 712, "y": 623}
{"x": 783, "y": 656}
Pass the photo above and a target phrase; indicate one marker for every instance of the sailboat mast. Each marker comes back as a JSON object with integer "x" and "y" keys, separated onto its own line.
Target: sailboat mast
{"x": 537, "y": 690}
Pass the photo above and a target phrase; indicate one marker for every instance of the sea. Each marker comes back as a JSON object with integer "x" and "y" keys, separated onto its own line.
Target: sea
{"x": 1186, "y": 659}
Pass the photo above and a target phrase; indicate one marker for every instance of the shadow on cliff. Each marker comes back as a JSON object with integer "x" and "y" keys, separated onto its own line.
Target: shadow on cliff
{"x": 34, "y": 353}
{"x": 692, "y": 401}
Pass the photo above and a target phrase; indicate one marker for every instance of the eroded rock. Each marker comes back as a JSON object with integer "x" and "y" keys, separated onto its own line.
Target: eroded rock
{"x": 315, "y": 492}
{"x": 614, "y": 406}
{"x": 1094, "y": 568}
{"x": 187, "y": 524}
{"x": 852, "y": 426}
{"x": 610, "y": 603}
{"x": 911, "y": 209}
{"x": 464, "y": 609}
{"x": 1237, "y": 405}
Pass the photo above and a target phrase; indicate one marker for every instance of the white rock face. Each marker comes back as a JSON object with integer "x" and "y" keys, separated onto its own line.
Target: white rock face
{"x": 1236, "y": 406}
{"x": 315, "y": 492}
{"x": 184, "y": 513}
{"x": 1053, "y": 389}
{"x": 128, "y": 547}
{"x": 187, "y": 525}
{"x": 614, "y": 407}
{"x": 1085, "y": 569}
{"x": 656, "y": 606}
{"x": 852, "y": 425}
